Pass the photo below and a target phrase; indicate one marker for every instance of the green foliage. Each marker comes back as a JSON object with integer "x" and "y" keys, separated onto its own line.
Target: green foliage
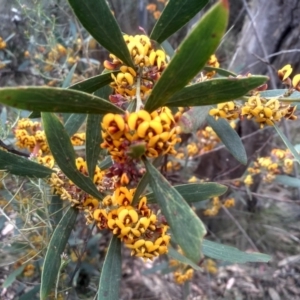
{"x": 55, "y": 100}
{"x": 53, "y": 259}
{"x": 22, "y": 166}
{"x": 195, "y": 192}
{"x": 231, "y": 254}
{"x": 64, "y": 155}
{"x": 109, "y": 285}
{"x": 215, "y": 91}
{"x": 229, "y": 137}
{"x": 84, "y": 105}
{"x": 187, "y": 228}
{"x": 99, "y": 21}
{"x": 176, "y": 14}
{"x": 191, "y": 56}
{"x": 92, "y": 84}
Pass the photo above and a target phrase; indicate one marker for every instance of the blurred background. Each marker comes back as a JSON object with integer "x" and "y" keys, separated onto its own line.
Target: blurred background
{"x": 41, "y": 41}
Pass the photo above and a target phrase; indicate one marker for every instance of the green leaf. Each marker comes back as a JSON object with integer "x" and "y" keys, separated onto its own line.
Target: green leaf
{"x": 94, "y": 83}
{"x": 288, "y": 144}
{"x": 106, "y": 163}
{"x": 32, "y": 294}
{"x": 56, "y": 209}
{"x": 231, "y": 254}
{"x": 144, "y": 182}
{"x": 12, "y": 277}
{"x": 176, "y": 14}
{"x": 186, "y": 227}
{"x": 34, "y": 115}
{"x": 69, "y": 77}
{"x": 229, "y": 137}
{"x": 191, "y": 56}
{"x": 74, "y": 122}
{"x": 111, "y": 274}
{"x": 167, "y": 47}
{"x": 294, "y": 97}
{"x": 18, "y": 165}
{"x": 192, "y": 120}
{"x": 176, "y": 255}
{"x": 52, "y": 261}
{"x": 64, "y": 155}
{"x": 215, "y": 91}
{"x": 195, "y": 192}
{"x": 93, "y": 135}
{"x": 220, "y": 71}
{"x": 287, "y": 180}
{"x": 55, "y": 100}
{"x": 97, "y": 18}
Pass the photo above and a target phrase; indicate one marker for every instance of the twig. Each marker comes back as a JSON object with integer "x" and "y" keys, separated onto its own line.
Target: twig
{"x": 238, "y": 225}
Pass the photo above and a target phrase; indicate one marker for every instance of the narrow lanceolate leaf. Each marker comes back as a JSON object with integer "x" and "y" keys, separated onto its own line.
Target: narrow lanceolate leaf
{"x": 220, "y": 71}
{"x": 32, "y": 294}
{"x": 195, "y": 192}
{"x": 93, "y": 135}
{"x": 287, "y": 180}
{"x": 64, "y": 155}
{"x": 192, "y": 120}
{"x": 73, "y": 123}
{"x": 288, "y": 144}
{"x": 294, "y": 97}
{"x": 176, "y": 255}
{"x": 22, "y": 166}
{"x": 231, "y": 254}
{"x": 215, "y": 91}
{"x": 55, "y": 249}
{"x": 94, "y": 83}
{"x": 12, "y": 277}
{"x": 186, "y": 227}
{"x": 229, "y": 138}
{"x": 55, "y": 100}
{"x": 56, "y": 209}
{"x": 97, "y": 18}
{"x": 144, "y": 182}
{"x": 176, "y": 14}
{"x": 69, "y": 77}
{"x": 109, "y": 286}
{"x": 191, "y": 56}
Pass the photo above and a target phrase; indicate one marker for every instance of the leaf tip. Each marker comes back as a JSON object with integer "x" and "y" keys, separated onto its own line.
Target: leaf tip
{"x": 225, "y": 3}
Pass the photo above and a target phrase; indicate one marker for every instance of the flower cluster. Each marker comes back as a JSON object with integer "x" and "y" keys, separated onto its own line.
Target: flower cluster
{"x": 56, "y": 55}
{"x": 263, "y": 111}
{"x": 266, "y": 112}
{"x": 182, "y": 272}
{"x": 29, "y": 136}
{"x": 136, "y": 225}
{"x": 131, "y": 83}
{"x": 279, "y": 162}
{"x": 157, "y": 133}
{"x": 227, "y": 110}
{"x": 217, "y": 204}
{"x": 293, "y": 84}
{"x": 67, "y": 190}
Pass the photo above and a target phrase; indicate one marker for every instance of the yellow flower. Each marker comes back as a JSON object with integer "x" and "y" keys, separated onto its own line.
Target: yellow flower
{"x": 296, "y": 82}
{"x": 230, "y": 202}
{"x": 227, "y": 110}
{"x": 211, "y": 266}
{"x": 248, "y": 180}
{"x": 122, "y": 196}
{"x": 101, "y": 218}
{"x": 285, "y": 72}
